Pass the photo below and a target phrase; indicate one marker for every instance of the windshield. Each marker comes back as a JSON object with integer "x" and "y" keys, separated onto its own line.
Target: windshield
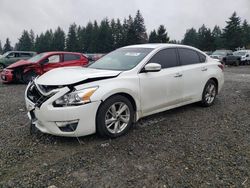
{"x": 122, "y": 59}
{"x": 219, "y": 53}
{"x": 37, "y": 58}
{"x": 5, "y": 54}
{"x": 239, "y": 53}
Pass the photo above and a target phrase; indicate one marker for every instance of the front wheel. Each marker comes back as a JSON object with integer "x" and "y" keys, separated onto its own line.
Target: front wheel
{"x": 114, "y": 117}
{"x": 29, "y": 76}
{"x": 209, "y": 94}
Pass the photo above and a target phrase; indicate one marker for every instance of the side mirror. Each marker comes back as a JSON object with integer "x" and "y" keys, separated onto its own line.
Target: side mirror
{"x": 44, "y": 61}
{"x": 152, "y": 67}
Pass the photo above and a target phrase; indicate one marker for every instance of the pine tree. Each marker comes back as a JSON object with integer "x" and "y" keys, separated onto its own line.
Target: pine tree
{"x": 140, "y": 29}
{"x": 72, "y": 39}
{"x": 58, "y": 42}
{"x": 104, "y": 37}
{"x": 205, "y": 39}
{"x": 245, "y": 34}
{"x": 233, "y": 33}
{"x": 7, "y": 46}
{"x": 25, "y": 42}
{"x": 191, "y": 38}
{"x": 1, "y": 48}
{"x": 87, "y": 38}
{"x": 153, "y": 37}
{"x": 218, "y": 40}
{"x": 32, "y": 39}
{"x": 162, "y": 34}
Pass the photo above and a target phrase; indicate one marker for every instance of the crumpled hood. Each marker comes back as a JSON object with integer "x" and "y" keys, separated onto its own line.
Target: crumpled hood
{"x": 71, "y": 75}
{"x": 19, "y": 64}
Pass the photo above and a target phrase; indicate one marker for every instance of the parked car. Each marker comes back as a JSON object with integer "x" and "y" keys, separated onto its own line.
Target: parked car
{"x": 208, "y": 52}
{"x": 221, "y": 54}
{"x": 241, "y": 57}
{"x": 94, "y": 57}
{"x": 13, "y": 56}
{"x": 120, "y": 88}
{"x": 26, "y": 70}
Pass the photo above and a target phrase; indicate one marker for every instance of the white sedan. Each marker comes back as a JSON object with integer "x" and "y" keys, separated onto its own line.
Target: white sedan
{"x": 120, "y": 88}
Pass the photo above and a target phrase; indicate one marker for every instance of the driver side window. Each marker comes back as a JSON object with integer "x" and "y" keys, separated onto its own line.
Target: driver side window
{"x": 54, "y": 59}
{"x": 167, "y": 58}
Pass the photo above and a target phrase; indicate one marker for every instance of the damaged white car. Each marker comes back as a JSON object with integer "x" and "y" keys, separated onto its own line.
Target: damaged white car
{"x": 120, "y": 88}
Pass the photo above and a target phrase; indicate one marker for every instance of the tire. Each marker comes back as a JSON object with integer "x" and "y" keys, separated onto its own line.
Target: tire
{"x": 209, "y": 94}
{"x": 108, "y": 123}
{"x": 2, "y": 66}
{"x": 237, "y": 63}
{"x": 28, "y": 76}
{"x": 33, "y": 129}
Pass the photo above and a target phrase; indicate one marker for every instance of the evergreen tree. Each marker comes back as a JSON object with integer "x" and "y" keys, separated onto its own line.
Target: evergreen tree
{"x": 246, "y": 34}
{"x": 25, "y": 42}
{"x": 118, "y": 34}
{"x": 191, "y": 38}
{"x": 130, "y": 33}
{"x": 32, "y": 39}
{"x": 72, "y": 39}
{"x": 205, "y": 39}
{"x": 162, "y": 34}
{"x": 7, "y": 46}
{"x": 153, "y": 37}
{"x": 58, "y": 42}
{"x": 139, "y": 29}
{"x": 104, "y": 37}
{"x": 233, "y": 33}
{"x": 1, "y": 48}
{"x": 87, "y": 38}
{"x": 218, "y": 40}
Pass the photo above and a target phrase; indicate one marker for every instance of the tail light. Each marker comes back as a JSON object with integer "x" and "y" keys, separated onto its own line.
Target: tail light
{"x": 221, "y": 67}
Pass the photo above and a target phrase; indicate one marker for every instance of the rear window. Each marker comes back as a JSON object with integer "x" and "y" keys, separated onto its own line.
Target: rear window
{"x": 25, "y": 54}
{"x": 188, "y": 56}
{"x": 71, "y": 57}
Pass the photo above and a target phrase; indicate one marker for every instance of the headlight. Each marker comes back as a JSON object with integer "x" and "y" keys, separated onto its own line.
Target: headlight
{"x": 76, "y": 98}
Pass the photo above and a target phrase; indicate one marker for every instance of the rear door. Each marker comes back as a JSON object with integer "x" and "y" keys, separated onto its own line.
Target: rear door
{"x": 159, "y": 90}
{"x": 194, "y": 73}
{"x": 71, "y": 60}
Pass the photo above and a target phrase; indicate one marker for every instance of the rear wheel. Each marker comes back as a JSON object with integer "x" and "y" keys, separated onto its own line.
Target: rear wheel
{"x": 114, "y": 117}
{"x": 29, "y": 76}
{"x": 237, "y": 63}
{"x": 209, "y": 93}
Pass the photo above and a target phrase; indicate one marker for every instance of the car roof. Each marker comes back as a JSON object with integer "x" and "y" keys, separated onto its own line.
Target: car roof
{"x": 21, "y": 52}
{"x": 159, "y": 45}
{"x": 62, "y": 52}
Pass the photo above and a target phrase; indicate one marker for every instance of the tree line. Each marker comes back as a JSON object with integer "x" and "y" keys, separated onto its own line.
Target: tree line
{"x": 112, "y": 34}
{"x": 236, "y": 34}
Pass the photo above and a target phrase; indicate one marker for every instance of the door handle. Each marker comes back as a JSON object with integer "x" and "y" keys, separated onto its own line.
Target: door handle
{"x": 178, "y": 75}
{"x": 204, "y": 69}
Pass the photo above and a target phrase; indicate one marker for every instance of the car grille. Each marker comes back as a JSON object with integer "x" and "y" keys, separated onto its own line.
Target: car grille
{"x": 36, "y": 96}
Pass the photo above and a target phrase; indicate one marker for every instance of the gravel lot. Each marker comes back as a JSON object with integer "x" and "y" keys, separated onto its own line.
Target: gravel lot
{"x": 186, "y": 147}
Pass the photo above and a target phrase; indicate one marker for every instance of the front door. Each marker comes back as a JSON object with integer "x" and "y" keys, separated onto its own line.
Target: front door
{"x": 163, "y": 89}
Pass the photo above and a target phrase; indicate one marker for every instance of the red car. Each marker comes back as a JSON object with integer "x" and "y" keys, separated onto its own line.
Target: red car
{"x": 26, "y": 70}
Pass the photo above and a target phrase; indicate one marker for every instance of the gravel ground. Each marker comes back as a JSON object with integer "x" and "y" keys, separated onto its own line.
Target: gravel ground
{"x": 189, "y": 146}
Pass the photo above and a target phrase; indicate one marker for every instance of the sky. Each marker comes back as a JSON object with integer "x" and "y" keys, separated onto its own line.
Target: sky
{"x": 176, "y": 15}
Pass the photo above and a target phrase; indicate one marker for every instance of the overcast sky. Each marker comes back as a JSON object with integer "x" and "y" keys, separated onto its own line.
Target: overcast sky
{"x": 176, "y": 15}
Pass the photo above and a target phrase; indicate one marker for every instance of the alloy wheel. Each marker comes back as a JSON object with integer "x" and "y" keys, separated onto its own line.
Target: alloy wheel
{"x": 117, "y": 117}
{"x": 210, "y": 93}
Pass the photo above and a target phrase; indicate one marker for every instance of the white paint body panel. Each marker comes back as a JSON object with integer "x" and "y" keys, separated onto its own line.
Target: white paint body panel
{"x": 152, "y": 92}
